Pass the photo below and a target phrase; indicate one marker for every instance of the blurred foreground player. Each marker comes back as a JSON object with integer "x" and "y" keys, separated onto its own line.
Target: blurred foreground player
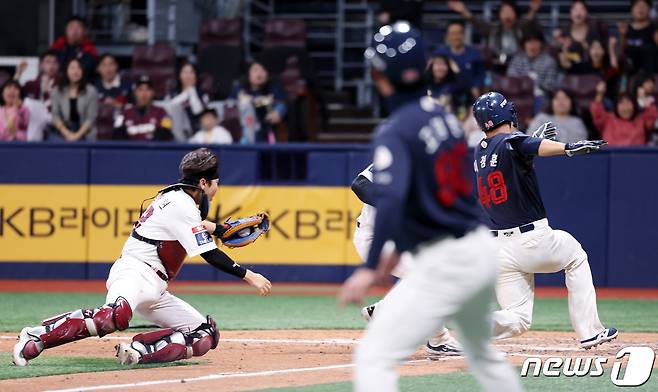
{"x": 509, "y": 192}
{"x": 170, "y": 228}
{"x": 442, "y": 344}
{"x": 424, "y": 204}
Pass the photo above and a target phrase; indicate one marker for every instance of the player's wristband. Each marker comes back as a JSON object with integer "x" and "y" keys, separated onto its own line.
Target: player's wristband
{"x": 220, "y": 229}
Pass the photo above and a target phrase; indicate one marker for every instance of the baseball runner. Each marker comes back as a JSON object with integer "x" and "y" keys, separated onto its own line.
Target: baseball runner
{"x": 425, "y": 205}
{"x": 170, "y": 228}
{"x": 443, "y": 343}
{"x": 509, "y": 193}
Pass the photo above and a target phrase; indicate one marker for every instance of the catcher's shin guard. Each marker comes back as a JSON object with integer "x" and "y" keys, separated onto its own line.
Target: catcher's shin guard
{"x": 168, "y": 345}
{"x": 82, "y": 323}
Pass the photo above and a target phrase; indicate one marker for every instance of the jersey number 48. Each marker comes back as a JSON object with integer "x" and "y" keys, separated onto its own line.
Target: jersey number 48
{"x": 497, "y": 191}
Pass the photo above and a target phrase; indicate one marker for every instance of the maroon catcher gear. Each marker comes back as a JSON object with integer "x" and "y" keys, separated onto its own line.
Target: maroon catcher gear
{"x": 172, "y": 254}
{"x": 168, "y": 345}
{"x": 83, "y": 323}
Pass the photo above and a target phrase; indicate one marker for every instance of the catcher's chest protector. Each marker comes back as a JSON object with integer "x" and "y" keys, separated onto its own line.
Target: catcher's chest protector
{"x": 172, "y": 254}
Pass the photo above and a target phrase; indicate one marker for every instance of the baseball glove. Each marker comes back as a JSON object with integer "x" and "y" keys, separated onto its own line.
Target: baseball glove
{"x": 244, "y": 231}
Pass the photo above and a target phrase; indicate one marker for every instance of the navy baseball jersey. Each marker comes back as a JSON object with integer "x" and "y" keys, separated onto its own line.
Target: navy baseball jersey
{"x": 506, "y": 181}
{"x": 422, "y": 180}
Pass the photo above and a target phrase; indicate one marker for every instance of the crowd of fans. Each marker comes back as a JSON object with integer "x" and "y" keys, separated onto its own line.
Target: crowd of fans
{"x": 621, "y": 108}
{"x": 75, "y": 86}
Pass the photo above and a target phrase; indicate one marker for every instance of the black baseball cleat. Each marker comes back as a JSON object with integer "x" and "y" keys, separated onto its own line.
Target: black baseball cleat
{"x": 367, "y": 311}
{"x": 446, "y": 349}
{"x": 607, "y": 335}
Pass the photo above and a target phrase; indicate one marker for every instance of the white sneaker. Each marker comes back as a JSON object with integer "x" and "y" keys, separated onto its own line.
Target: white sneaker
{"x": 447, "y": 346}
{"x": 126, "y": 354}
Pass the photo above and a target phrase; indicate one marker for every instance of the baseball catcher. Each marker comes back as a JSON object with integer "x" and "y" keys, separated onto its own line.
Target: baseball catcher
{"x": 171, "y": 228}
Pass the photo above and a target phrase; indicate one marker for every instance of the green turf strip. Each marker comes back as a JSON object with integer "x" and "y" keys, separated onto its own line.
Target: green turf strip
{"x": 235, "y": 312}
{"x": 48, "y": 365}
{"x": 464, "y": 382}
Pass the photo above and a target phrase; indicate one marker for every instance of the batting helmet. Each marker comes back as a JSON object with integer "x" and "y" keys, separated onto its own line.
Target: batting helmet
{"x": 398, "y": 50}
{"x": 492, "y": 109}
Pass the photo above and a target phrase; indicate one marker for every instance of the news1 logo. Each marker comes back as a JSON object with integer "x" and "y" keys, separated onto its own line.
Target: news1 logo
{"x": 637, "y": 372}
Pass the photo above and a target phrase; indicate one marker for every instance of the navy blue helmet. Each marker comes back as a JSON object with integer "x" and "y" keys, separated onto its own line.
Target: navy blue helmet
{"x": 398, "y": 50}
{"x": 492, "y": 109}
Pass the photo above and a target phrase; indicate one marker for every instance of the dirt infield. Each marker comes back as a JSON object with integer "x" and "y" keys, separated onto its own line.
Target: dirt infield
{"x": 292, "y": 289}
{"x": 248, "y": 360}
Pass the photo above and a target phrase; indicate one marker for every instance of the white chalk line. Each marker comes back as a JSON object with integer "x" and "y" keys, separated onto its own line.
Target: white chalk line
{"x": 228, "y": 375}
{"x": 209, "y": 377}
{"x": 500, "y": 344}
{"x": 231, "y": 340}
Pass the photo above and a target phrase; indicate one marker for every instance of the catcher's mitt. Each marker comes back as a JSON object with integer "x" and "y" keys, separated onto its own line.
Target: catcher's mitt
{"x": 244, "y": 231}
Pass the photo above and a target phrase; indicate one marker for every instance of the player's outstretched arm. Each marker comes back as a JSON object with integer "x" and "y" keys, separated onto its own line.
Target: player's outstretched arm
{"x": 261, "y": 283}
{"x": 550, "y": 148}
{"x": 221, "y": 261}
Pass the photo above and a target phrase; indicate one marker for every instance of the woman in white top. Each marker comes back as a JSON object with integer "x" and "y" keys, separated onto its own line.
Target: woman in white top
{"x": 570, "y": 128}
{"x": 186, "y": 103}
{"x": 211, "y": 132}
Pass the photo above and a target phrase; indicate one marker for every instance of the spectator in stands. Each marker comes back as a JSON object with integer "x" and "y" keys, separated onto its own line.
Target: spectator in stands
{"x": 143, "y": 120}
{"x": 262, "y": 105}
{"x": 15, "y": 117}
{"x": 637, "y": 36}
{"x": 446, "y": 87}
{"x": 644, "y": 91}
{"x": 561, "y": 112}
{"x": 75, "y": 44}
{"x": 650, "y": 59}
{"x": 536, "y": 64}
{"x": 574, "y": 39}
{"x": 41, "y": 88}
{"x": 112, "y": 88}
{"x": 624, "y": 127}
{"x": 37, "y": 94}
{"x": 74, "y": 106}
{"x": 211, "y": 132}
{"x": 502, "y": 38}
{"x": 470, "y": 68}
{"x": 187, "y": 99}
{"x": 599, "y": 62}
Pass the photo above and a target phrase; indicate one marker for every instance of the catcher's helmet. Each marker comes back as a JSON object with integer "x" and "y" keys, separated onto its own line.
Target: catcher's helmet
{"x": 398, "y": 50}
{"x": 492, "y": 109}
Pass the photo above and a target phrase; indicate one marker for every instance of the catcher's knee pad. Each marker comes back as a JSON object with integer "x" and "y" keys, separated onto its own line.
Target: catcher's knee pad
{"x": 110, "y": 318}
{"x": 204, "y": 338}
{"x": 83, "y": 323}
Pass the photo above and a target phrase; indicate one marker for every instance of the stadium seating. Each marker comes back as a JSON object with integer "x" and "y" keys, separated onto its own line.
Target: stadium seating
{"x": 221, "y": 31}
{"x": 285, "y": 32}
{"x": 582, "y": 88}
{"x": 518, "y": 89}
{"x": 158, "y": 61}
